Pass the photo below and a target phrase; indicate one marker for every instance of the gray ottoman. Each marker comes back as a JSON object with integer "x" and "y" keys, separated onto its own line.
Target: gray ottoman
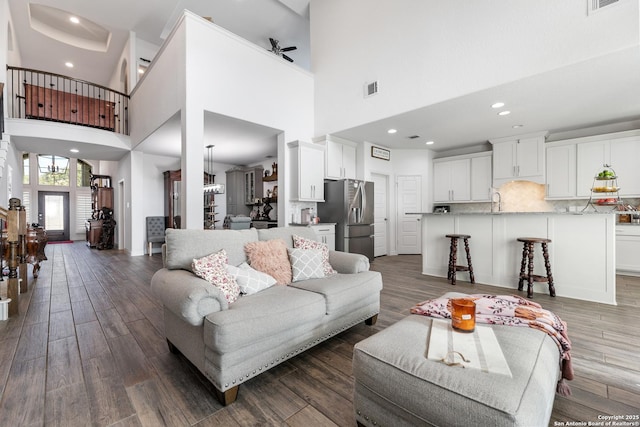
{"x": 396, "y": 385}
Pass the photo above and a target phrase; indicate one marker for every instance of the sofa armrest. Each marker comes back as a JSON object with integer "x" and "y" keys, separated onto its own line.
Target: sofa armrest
{"x": 186, "y": 295}
{"x": 348, "y": 263}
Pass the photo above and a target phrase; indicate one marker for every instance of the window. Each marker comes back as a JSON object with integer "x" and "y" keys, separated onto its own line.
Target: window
{"x": 53, "y": 170}
{"x": 26, "y": 202}
{"x": 25, "y": 168}
{"x": 83, "y": 174}
{"x": 83, "y": 208}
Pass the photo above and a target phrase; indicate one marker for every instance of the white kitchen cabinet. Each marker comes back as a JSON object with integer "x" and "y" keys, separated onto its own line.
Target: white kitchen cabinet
{"x": 591, "y": 158}
{"x": 452, "y": 180}
{"x": 620, "y": 152}
{"x": 518, "y": 159}
{"x": 307, "y": 171}
{"x": 481, "y": 178}
{"x": 627, "y": 249}
{"x": 340, "y": 158}
{"x": 326, "y": 233}
{"x": 625, "y": 154}
{"x": 561, "y": 171}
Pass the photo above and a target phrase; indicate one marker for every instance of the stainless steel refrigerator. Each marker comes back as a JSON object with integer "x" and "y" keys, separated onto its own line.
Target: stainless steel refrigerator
{"x": 349, "y": 203}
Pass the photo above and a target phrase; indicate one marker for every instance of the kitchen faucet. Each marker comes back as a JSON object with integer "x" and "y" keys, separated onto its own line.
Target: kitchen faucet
{"x": 496, "y": 193}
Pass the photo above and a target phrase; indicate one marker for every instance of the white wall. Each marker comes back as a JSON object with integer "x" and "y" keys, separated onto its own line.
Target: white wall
{"x": 402, "y": 162}
{"x": 425, "y": 51}
{"x": 12, "y": 172}
{"x": 203, "y": 67}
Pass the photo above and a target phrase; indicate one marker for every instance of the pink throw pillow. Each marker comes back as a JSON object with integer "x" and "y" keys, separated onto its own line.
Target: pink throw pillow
{"x": 300, "y": 242}
{"x": 270, "y": 257}
{"x": 213, "y": 269}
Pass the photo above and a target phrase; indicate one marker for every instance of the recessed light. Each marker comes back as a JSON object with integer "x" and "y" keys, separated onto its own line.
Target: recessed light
{"x": 517, "y": 126}
{"x": 429, "y": 142}
{"x": 74, "y": 19}
{"x": 74, "y": 150}
{"x": 140, "y": 70}
{"x": 69, "y": 64}
{"x": 497, "y": 105}
{"x": 392, "y": 131}
{"x": 504, "y": 113}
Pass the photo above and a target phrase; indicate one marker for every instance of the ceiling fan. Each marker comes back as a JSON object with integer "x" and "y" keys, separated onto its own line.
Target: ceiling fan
{"x": 275, "y": 48}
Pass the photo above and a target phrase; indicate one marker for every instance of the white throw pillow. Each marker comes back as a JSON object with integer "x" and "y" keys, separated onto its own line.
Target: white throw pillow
{"x": 212, "y": 269}
{"x": 303, "y": 243}
{"x": 249, "y": 279}
{"x": 306, "y": 264}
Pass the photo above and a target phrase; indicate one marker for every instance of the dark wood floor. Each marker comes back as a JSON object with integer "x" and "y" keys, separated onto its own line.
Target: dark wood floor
{"x": 88, "y": 349}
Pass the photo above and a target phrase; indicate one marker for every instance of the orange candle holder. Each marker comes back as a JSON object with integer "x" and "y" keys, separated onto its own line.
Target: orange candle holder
{"x": 463, "y": 314}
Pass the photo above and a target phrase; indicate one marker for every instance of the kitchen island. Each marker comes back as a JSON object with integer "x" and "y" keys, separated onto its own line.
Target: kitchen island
{"x": 582, "y": 252}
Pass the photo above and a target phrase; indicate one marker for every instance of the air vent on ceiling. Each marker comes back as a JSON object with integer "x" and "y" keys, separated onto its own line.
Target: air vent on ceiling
{"x": 596, "y": 5}
{"x": 414, "y": 137}
{"x": 370, "y": 89}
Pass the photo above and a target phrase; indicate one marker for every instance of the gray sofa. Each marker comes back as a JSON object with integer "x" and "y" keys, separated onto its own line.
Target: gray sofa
{"x": 231, "y": 343}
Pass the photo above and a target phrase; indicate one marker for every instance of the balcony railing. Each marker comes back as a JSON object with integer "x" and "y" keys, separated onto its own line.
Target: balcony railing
{"x": 33, "y": 94}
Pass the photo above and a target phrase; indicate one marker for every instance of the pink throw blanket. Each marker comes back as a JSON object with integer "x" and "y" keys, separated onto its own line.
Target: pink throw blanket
{"x": 512, "y": 310}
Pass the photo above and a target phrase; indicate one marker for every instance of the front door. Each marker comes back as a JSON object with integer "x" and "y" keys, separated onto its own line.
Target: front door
{"x": 53, "y": 214}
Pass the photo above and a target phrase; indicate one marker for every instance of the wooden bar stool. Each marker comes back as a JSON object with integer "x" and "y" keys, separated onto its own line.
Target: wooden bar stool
{"x": 527, "y": 254}
{"x": 453, "y": 255}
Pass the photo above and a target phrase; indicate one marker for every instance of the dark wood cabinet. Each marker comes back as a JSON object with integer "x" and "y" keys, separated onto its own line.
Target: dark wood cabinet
{"x": 100, "y": 228}
{"x": 172, "y": 216}
{"x": 172, "y": 180}
{"x": 93, "y": 232}
{"x": 102, "y": 198}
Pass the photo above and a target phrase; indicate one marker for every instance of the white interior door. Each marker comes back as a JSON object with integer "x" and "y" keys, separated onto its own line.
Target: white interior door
{"x": 409, "y": 195}
{"x": 380, "y": 214}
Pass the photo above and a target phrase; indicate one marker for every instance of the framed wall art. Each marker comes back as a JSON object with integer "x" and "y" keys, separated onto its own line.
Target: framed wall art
{"x": 380, "y": 153}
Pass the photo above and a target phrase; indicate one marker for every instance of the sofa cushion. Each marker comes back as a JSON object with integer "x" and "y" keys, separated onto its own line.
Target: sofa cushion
{"x": 270, "y": 257}
{"x": 262, "y": 316}
{"x": 213, "y": 269}
{"x": 343, "y": 292}
{"x": 306, "y": 264}
{"x": 250, "y": 280}
{"x": 182, "y": 246}
{"x": 304, "y": 243}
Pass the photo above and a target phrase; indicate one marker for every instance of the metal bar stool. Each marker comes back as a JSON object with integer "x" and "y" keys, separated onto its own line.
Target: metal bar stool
{"x": 453, "y": 254}
{"x": 527, "y": 255}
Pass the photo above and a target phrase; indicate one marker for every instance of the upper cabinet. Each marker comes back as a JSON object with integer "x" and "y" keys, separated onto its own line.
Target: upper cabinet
{"x": 340, "y": 157}
{"x": 561, "y": 171}
{"x": 451, "y": 180}
{"x": 591, "y": 157}
{"x": 572, "y": 164}
{"x": 462, "y": 178}
{"x": 253, "y": 184}
{"x": 307, "y": 173}
{"x": 518, "y": 158}
{"x": 621, "y": 153}
{"x": 481, "y": 178}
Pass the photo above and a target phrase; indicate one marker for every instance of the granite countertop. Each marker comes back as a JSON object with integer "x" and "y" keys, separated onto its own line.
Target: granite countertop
{"x": 297, "y": 224}
{"x": 520, "y": 213}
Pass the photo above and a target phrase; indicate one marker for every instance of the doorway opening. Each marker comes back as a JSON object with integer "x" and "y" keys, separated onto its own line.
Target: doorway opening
{"x": 53, "y": 214}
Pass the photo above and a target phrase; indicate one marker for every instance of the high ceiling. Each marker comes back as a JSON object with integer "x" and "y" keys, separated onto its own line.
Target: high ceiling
{"x": 39, "y": 31}
{"x": 599, "y": 91}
